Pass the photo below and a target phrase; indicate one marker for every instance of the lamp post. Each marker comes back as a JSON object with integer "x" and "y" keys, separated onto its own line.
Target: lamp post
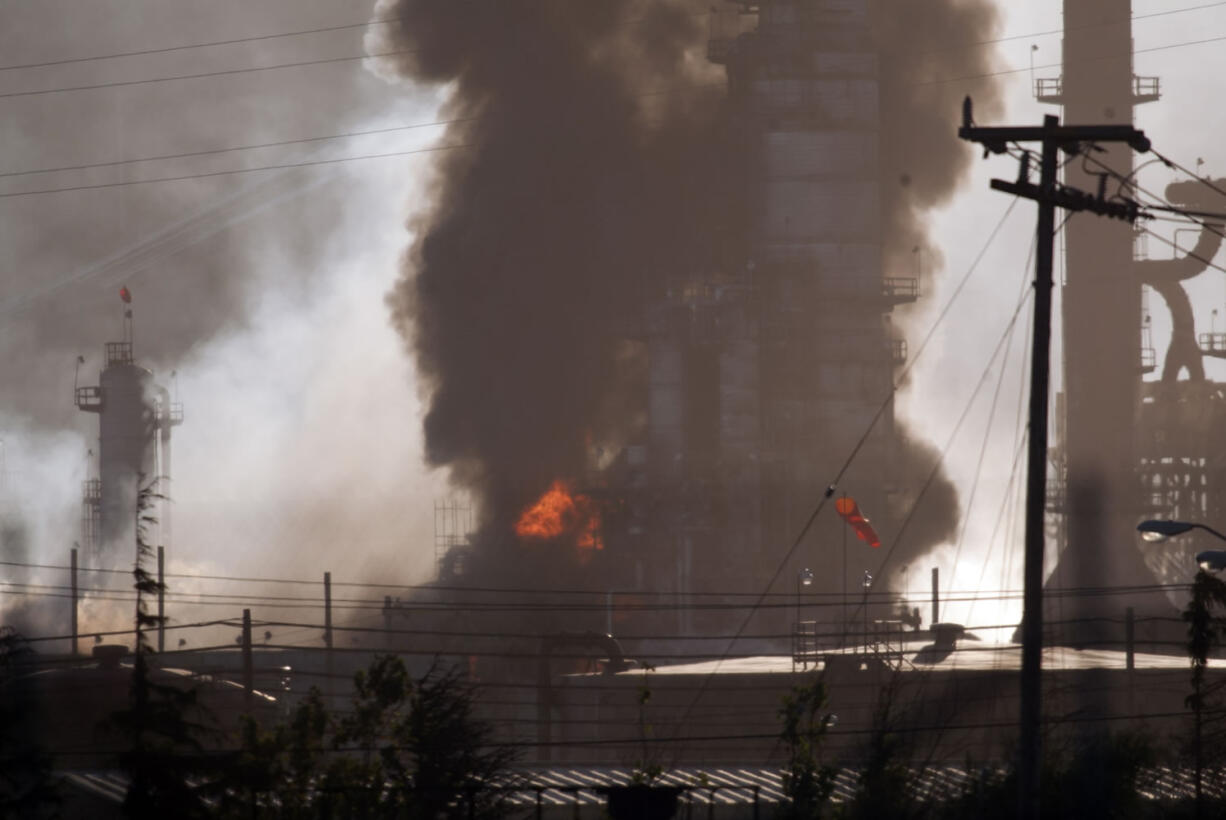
{"x": 1206, "y": 591}
{"x": 804, "y": 578}
{"x": 867, "y": 584}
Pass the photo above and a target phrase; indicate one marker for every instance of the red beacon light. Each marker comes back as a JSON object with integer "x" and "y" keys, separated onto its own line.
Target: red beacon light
{"x": 849, "y": 511}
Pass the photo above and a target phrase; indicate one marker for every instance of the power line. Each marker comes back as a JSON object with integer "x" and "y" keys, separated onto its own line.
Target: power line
{"x": 239, "y": 40}
{"x": 252, "y": 147}
{"x": 368, "y": 24}
{"x": 1197, "y": 177}
{"x": 1193, "y": 217}
{"x": 936, "y": 468}
{"x": 987, "y": 431}
{"x": 637, "y": 598}
{"x": 1055, "y": 31}
{"x": 210, "y": 44}
{"x": 1063, "y": 65}
{"x": 203, "y": 75}
{"x": 279, "y": 143}
{"x": 277, "y": 167}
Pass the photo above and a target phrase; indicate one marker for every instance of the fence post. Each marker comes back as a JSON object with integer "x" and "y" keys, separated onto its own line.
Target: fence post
{"x": 248, "y": 670}
{"x": 329, "y": 669}
{"x": 74, "y": 600}
{"x": 328, "y": 609}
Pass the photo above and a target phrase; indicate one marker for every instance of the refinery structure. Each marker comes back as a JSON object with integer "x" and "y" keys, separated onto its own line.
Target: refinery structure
{"x": 764, "y": 377}
{"x": 768, "y": 375}
{"x": 719, "y": 539}
{"x": 135, "y": 419}
{"x": 770, "y": 379}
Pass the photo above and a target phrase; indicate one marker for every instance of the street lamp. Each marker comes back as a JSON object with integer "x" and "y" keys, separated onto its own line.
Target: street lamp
{"x": 866, "y": 584}
{"x": 1160, "y": 530}
{"x": 804, "y": 578}
{"x": 1205, "y": 591}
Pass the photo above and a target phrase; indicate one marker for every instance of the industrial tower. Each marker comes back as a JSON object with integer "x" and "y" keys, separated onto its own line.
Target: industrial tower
{"x": 763, "y": 375}
{"x": 1129, "y": 449}
{"x": 135, "y": 417}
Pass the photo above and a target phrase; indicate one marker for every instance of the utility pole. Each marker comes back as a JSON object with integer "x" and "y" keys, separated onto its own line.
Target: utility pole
{"x": 1054, "y": 138}
{"x": 161, "y": 600}
{"x": 248, "y": 666}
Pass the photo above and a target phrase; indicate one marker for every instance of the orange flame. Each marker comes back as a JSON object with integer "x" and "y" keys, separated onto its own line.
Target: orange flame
{"x": 558, "y": 513}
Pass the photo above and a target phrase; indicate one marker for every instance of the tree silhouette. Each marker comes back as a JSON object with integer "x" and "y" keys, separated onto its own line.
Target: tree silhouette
{"x": 164, "y": 756}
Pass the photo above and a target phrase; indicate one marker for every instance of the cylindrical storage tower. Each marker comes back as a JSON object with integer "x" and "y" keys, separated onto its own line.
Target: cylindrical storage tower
{"x": 126, "y": 446}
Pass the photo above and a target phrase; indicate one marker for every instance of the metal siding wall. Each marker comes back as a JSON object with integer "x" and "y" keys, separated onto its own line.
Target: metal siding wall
{"x": 665, "y": 405}
{"x": 791, "y": 154}
{"x": 801, "y": 210}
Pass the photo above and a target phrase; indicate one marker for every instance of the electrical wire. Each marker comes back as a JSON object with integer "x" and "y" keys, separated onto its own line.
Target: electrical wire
{"x": 1000, "y": 346}
{"x": 248, "y": 39}
{"x": 1194, "y": 217}
{"x": 1197, "y": 177}
{"x": 1066, "y": 65}
{"x": 251, "y": 147}
{"x": 203, "y": 75}
{"x": 279, "y": 143}
{"x": 1068, "y": 29}
{"x": 599, "y": 593}
{"x": 211, "y": 174}
{"x": 232, "y": 41}
{"x": 987, "y": 432}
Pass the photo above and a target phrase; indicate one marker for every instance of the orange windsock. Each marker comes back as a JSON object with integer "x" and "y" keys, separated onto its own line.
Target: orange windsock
{"x": 849, "y": 511}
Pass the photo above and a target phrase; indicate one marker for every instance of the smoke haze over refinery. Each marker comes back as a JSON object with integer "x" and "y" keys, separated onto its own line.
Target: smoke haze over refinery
{"x": 311, "y": 440}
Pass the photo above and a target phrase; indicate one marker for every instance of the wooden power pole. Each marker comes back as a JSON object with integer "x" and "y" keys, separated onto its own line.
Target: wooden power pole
{"x": 1049, "y": 195}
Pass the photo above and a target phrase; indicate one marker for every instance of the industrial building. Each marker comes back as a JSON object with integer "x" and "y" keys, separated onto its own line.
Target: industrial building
{"x": 763, "y": 375}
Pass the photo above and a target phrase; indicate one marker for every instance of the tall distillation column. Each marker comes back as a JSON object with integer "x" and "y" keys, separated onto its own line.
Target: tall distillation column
{"x": 1102, "y": 328}
{"x": 132, "y": 412}
{"x": 806, "y": 80}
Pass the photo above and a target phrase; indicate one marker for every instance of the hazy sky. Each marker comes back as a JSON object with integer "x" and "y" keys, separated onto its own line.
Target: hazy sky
{"x": 265, "y": 291}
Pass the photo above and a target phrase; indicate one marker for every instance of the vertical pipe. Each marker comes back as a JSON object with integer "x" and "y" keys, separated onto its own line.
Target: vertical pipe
{"x": 161, "y": 599}
{"x": 328, "y": 609}
{"x": 164, "y": 425}
{"x": 936, "y": 596}
{"x": 1130, "y": 638}
{"x": 845, "y": 624}
{"x": 74, "y": 600}
{"x": 387, "y": 621}
{"x": 608, "y": 613}
{"x": 544, "y": 702}
{"x": 248, "y": 670}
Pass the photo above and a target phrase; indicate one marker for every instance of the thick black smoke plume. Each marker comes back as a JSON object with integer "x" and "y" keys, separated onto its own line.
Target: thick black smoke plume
{"x": 594, "y": 155}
